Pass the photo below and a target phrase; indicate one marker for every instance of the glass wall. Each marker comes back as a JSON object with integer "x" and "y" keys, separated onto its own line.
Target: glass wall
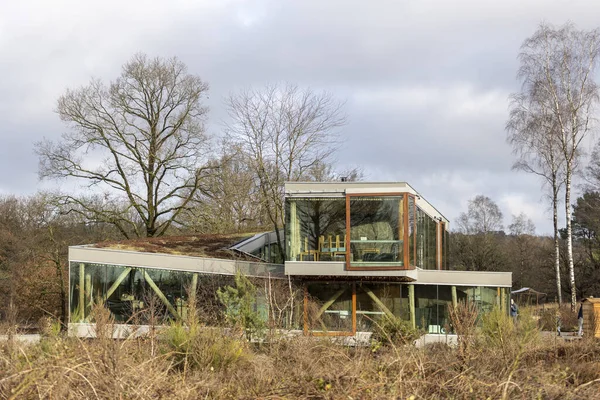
{"x": 377, "y": 231}
{"x": 377, "y": 301}
{"x": 431, "y": 307}
{"x": 412, "y": 215}
{"x": 379, "y": 226}
{"x": 328, "y": 307}
{"x": 432, "y": 302}
{"x": 316, "y": 229}
{"x": 142, "y": 295}
{"x": 426, "y": 240}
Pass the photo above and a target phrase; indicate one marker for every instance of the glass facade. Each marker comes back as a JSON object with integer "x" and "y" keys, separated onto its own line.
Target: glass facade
{"x": 135, "y": 295}
{"x": 427, "y": 241}
{"x": 333, "y": 308}
{"x": 316, "y": 229}
{"x": 328, "y": 307}
{"x": 384, "y": 231}
{"x": 377, "y": 231}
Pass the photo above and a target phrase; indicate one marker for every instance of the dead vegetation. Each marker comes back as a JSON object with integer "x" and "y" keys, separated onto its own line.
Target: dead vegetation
{"x": 197, "y": 362}
{"x": 214, "y": 246}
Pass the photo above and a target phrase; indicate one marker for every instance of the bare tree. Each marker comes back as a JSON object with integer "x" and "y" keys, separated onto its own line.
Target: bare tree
{"x": 477, "y": 245}
{"x": 140, "y": 139}
{"x": 284, "y": 132}
{"x": 557, "y": 69}
{"x": 231, "y": 199}
{"x": 522, "y": 231}
{"x": 532, "y": 132}
{"x": 483, "y": 216}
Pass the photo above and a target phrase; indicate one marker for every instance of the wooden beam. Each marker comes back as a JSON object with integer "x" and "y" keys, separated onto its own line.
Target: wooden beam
{"x": 88, "y": 291}
{"x": 161, "y": 296}
{"x": 81, "y": 291}
{"x": 329, "y": 302}
{"x": 379, "y": 303}
{"x": 454, "y": 297}
{"x": 116, "y": 283}
{"x": 411, "y": 305}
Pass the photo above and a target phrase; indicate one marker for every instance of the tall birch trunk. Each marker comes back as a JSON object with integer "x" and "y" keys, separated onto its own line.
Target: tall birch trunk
{"x": 570, "y": 237}
{"x": 556, "y": 241}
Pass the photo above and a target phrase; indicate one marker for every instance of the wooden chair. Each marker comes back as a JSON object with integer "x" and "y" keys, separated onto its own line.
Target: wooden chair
{"x": 340, "y": 247}
{"x": 307, "y": 252}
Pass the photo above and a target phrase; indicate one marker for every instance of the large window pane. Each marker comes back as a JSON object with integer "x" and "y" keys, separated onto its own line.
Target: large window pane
{"x": 426, "y": 240}
{"x": 316, "y": 229}
{"x": 87, "y": 286}
{"x": 485, "y": 298}
{"x": 377, "y": 231}
{"x": 411, "y": 230}
{"x": 377, "y": 301}
{"x": 329, "y": 307}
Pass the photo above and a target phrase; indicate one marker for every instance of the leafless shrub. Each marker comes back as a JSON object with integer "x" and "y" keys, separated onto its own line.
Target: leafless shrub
{"x": 463, "y": 318}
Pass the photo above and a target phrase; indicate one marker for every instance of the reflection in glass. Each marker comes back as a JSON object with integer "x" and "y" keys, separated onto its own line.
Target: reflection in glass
{"x": 426, "y": 240}
{"x": 377, "y": 301}
{"x": 316, "y": 229}
{"x": 329, "y": 307}
{"x": 376, "y": 231}
{"x": 143, "y": 295}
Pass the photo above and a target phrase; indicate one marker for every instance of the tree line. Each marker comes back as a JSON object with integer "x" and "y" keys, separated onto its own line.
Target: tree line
{"x": 139, "y": 162}
{"x": 481, "y": 242}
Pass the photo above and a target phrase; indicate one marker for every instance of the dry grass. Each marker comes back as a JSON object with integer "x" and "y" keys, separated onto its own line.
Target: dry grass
{"x": 196, "y": 245}
{"x": 222, "y": 366}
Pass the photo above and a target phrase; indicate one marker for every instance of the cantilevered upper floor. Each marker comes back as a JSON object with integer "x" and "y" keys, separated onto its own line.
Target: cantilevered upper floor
{"x": 366, "y": 226}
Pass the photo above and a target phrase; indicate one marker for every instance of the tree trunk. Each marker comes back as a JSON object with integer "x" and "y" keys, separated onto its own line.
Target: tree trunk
{"x": 556, "y": 241}
{"x": 64, "y": 314}
{"x": 570, "y": 237}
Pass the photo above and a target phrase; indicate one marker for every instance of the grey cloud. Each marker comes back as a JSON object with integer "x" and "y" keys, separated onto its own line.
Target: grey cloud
{"x": 426, "y": 81}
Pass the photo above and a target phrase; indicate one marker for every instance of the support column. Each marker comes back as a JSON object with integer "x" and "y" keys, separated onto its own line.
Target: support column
{"x": 88, "y": 292}
{"x": 411, "y": 305}
{"x": 193, "y": 289}
{"x": 379, "y": 303}
{"x": 454, "y": 297}
{"x": 82, "y": 291}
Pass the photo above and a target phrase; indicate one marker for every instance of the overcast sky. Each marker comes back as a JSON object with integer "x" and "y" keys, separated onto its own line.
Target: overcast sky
{"x": 426, "y": 82}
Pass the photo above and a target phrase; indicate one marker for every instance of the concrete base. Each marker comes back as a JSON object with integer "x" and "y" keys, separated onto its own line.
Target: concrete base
{"x": 431, "y": 338}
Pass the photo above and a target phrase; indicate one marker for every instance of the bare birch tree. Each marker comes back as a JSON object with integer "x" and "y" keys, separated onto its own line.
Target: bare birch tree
{"x": 557, "y": 69}
{"x": 138, "y": 145}
{"x": 532, "y": 132}
{"x": 284, "y": 132}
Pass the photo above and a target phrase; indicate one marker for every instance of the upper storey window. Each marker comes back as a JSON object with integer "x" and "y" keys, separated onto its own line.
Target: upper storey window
{"x": 377, "y": 231}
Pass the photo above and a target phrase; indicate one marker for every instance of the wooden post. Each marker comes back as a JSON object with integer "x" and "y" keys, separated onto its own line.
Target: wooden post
{"x": 454, "y": 297}
{"x": 305, "y": 309}
{"x": 411, "y": 305}
{"x": 88, "y": 291}
{"x": 193, "y": 289}
{"x": 82, "y": 290}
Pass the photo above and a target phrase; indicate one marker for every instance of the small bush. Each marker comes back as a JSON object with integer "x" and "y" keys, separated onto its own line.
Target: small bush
{"x": 393, "y": 331}
{"x": 197, "y": 348}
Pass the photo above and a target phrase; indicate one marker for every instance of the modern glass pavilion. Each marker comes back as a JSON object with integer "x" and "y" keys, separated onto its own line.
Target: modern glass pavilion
{"x": 358, "y": 252}
{"x": 367, "y": 250}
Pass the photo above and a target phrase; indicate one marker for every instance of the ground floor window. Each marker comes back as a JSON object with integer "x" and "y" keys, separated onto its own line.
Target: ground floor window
{"x": 349, "y": 307}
